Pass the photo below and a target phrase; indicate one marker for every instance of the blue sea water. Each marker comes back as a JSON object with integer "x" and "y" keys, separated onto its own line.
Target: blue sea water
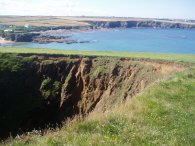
{"x": 129, "y": 40}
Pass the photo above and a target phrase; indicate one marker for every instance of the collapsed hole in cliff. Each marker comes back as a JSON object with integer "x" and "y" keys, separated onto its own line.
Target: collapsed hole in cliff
{"x": 44, "y": 90}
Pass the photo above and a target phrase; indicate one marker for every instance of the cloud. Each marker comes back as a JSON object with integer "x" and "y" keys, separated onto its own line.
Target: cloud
{"x": 44, "y": 7}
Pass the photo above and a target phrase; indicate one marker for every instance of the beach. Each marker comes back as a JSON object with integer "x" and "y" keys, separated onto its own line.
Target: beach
{"x": 4, "y": 42}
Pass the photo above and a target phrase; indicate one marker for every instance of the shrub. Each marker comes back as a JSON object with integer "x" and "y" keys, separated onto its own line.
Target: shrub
{"x": 50, "y": 88}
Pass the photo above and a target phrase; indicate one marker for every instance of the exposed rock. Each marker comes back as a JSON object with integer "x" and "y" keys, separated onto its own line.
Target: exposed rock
{"x": 42, "y": 39}
{"x": 57, "y": 39}
{"x": 22, "y": 37}
{"x": 140, "y": 24}
{"x": 49, "y": 39}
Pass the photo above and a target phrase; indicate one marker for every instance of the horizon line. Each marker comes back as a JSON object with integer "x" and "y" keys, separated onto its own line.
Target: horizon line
{"x": 90, "y": 16}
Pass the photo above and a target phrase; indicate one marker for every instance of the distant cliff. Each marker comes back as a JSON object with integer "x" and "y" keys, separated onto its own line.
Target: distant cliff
{"x": 131, "y": 24}
{"x": 141, "y": 24}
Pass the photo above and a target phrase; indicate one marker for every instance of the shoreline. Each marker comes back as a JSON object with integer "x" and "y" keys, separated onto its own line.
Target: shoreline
{"x": 5, "y": 42}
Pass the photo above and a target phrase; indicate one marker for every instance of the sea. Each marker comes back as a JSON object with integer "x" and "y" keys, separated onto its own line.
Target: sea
{"x": 179, "y": 41}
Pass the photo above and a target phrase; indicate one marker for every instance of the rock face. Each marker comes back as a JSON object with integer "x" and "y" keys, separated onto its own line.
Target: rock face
{"x": 46, "y": 89}
{"x": 22, "y": 37}
{"x": 140, "y": 24}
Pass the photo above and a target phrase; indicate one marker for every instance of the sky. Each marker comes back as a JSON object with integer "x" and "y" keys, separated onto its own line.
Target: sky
{"x": 177, "y": 9}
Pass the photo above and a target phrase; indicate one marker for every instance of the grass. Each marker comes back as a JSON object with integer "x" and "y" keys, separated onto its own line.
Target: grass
{"x": 162, "y": 115}
{"x": 163, "y": 56}
{"x": 45, "y": 21}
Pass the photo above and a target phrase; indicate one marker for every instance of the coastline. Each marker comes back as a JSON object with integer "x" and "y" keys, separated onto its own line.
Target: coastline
{"x": 5, "y": 42}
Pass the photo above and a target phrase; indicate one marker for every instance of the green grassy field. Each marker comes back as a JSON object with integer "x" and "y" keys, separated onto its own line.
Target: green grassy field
{"x": 163, "y": 56}
{"x": 163, "y": 114}
{"x": 46, "y": 21}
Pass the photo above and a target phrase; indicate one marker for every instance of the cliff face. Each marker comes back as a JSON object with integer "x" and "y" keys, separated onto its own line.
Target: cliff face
{"x": 140, "y": 24}
{"x": 45, "y": 90}
{"x": 23, "y": 37}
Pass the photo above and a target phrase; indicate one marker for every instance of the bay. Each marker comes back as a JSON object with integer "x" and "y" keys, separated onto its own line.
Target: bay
{"x": 128, "y": 40}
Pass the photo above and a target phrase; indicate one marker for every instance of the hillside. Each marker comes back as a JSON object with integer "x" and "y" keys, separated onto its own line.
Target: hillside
{"x": 111, "y": 100}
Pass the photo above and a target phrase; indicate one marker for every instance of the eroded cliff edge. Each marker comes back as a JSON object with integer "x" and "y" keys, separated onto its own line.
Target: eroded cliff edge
{"x": 43, "y": 90}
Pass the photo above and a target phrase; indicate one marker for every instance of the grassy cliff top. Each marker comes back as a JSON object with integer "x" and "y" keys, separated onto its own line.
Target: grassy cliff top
{"x": 162, "y": 56}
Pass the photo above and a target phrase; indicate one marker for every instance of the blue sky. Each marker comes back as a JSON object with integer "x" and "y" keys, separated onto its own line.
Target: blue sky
{"x": 184, "y": 9}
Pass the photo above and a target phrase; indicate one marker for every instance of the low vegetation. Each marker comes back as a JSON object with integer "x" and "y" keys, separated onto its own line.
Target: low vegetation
{"x": 14, "y": 89}
{"x": 50, "y": 88}
{"x": 14, "y": 63}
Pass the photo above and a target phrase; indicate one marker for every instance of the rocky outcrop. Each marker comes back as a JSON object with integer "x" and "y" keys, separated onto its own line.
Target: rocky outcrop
{"x": 41, "y": 91}
{"x": 43, "y": 39}
{"x": 22, "y": 37}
